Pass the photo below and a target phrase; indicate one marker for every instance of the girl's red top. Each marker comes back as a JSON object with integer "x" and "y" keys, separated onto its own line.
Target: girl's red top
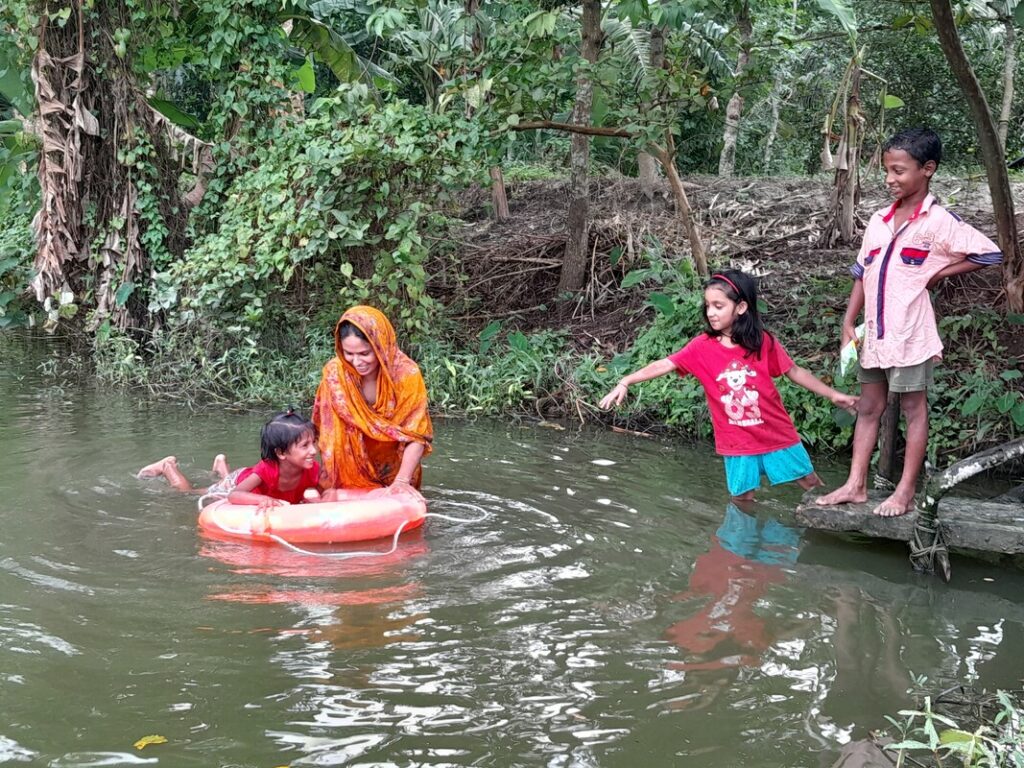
{"x": 746, "y": 409}
{"x": 269, "y": 472}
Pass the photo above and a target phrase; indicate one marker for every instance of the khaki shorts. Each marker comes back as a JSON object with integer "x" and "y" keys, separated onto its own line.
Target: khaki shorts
{"x": 912, "y": 378}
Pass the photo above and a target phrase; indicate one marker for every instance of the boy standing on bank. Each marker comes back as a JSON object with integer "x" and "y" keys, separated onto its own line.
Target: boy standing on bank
{"x": 908, "y": 248}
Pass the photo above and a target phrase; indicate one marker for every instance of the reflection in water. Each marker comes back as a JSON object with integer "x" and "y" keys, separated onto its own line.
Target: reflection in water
{"x": 870, "y": 675}
{"x": 726, "y": 633}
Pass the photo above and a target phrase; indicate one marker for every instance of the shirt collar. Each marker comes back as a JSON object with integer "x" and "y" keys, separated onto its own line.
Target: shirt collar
{"x": 928, "y": 202}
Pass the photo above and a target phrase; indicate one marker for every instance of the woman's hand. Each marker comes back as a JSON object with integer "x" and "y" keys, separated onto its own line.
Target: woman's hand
{"x": 615, "y": 397}
{"x": 311, "y": 496}
{"x": 400, "y": 486}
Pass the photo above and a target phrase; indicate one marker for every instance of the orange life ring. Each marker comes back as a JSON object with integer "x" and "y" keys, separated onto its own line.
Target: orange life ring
{"x": 358, "y": 516}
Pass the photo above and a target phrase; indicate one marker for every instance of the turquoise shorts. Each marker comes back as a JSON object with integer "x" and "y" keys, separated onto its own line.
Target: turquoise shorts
{"x": 743, "y": 473}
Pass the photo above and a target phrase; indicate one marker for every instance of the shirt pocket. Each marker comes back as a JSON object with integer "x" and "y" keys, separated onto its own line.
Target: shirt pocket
{"x": 914, "y": 257}
{"x": 871, "y": 255}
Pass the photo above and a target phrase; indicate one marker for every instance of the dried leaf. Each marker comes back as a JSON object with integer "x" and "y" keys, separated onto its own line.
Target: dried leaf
{"x": 85, "y": 119}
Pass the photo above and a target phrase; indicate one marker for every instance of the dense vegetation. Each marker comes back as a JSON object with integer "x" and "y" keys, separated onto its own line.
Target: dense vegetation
{"x": 241, "y": 171}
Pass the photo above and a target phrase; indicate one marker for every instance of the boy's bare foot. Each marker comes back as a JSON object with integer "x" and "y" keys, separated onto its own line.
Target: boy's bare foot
{"x": 895, "y": 505}
{"x": 157, "y": 468}
{"x": 844, "y": 494}
{"x": 220, "y": 466}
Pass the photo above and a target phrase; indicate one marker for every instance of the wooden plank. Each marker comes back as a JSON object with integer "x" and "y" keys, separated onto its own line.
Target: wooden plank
{"x": 968, "y": 524}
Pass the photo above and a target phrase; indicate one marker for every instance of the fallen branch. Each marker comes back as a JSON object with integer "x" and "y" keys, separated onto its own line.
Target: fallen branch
{"x": 589, "y": 130}
{"x": 928, "y": 545}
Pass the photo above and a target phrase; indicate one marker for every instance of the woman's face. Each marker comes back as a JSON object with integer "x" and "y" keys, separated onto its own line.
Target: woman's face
{"x": 360, "y": 355}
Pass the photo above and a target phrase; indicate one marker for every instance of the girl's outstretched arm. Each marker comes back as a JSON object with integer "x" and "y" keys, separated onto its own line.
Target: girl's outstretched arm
{"x": 809, "y": 381}
{"x": 651, "y": 371}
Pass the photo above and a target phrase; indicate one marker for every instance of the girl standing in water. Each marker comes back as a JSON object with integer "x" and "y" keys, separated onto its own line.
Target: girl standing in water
{"x": 735, "y": 360}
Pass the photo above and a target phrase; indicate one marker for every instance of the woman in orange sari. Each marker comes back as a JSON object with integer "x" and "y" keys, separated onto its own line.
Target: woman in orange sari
{"x": 371, "y": 408}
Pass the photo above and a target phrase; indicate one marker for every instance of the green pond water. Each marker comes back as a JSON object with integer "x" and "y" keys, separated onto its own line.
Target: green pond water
{"x": 611, "y": 610}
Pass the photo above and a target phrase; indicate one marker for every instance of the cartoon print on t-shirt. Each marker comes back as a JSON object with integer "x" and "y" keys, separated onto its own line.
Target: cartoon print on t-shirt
{"x": 740, "y": 402}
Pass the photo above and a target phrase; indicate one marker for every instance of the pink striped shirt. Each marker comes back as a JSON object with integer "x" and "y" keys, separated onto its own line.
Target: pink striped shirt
{"x": 896, "y": 267}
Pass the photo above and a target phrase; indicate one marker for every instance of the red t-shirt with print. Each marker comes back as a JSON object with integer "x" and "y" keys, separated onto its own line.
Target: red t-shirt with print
{"x": 746, "y": 408}
{"x": 269, "y": 473}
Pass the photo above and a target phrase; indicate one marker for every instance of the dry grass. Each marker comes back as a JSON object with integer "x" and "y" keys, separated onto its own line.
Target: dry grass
{"x": 509, "y": 270}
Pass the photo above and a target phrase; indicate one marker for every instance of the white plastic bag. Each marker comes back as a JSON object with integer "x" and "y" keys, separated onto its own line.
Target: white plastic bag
{"x": 848, "y": 354}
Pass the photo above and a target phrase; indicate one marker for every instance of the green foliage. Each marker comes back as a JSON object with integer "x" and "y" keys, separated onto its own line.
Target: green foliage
{"x": 996, "y": 743}
{"x": 976, "y": 399}
{"x": 17, "y": 250}
{"x": 330, "y": 215}
{"x": 214, "y": 367}
{"x": 506, "y": 375}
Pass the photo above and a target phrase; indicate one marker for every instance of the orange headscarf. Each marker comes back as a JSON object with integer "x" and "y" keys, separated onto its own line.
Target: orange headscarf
{"x": 362, "y": 445}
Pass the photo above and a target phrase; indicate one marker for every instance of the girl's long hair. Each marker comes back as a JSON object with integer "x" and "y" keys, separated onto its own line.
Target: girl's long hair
{"x": 747, "y": 329}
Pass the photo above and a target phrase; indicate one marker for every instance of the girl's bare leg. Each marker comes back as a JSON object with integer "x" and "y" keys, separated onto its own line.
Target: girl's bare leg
{"x": 220, "y": 466}
{"x": 167, "y": 468}
{"x": 807, "y": 482}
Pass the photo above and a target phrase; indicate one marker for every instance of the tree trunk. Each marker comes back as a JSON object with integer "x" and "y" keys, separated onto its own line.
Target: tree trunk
{"x": 647, "y": 166}
{"x": 498, "y": 197}
{"x": 59, "y": 75}
{"x": 1009, "y": 63}
{"x": 734, "y": 109}
{"x": 773, "y": 127}
{"x": 841, "y": 227}
{"x": 90, "y": 225}
{"x": 574, "y": 267}
{"x": 991, "y": 152}
{"x": 888, "y": 442}
{"x": 667, "y": 158}
{"x": 647, "y": 170}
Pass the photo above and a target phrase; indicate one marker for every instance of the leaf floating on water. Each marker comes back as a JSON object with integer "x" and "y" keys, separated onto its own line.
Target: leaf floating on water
{"x": 145, "y": 741}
